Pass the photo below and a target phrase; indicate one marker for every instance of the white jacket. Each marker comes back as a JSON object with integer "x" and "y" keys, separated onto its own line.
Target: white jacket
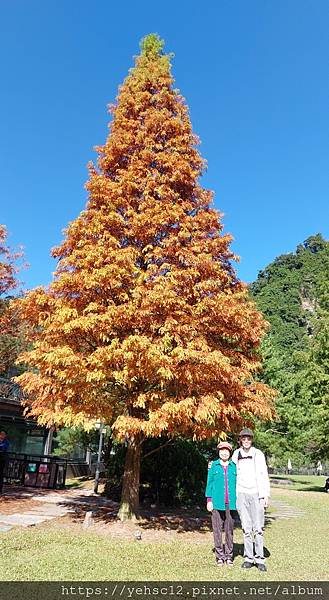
{"x": 261, "y": 473}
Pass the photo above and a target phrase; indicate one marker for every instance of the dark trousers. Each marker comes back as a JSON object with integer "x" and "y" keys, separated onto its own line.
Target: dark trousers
{"x": 223, "y": 522}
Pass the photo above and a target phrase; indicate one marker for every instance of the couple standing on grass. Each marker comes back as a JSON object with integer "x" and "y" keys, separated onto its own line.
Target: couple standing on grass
{"x": 239, "y": 482}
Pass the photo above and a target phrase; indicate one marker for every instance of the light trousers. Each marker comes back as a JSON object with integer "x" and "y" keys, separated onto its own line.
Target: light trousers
{"x": 252, "y": 517}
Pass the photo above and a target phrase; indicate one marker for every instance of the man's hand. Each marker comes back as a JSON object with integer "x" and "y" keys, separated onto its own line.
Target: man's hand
{"x": 210, "y": 506}
{"x": 264, "y": 502}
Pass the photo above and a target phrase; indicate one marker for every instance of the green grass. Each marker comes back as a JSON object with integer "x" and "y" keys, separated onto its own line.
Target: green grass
{"x": 76, "y": 482}
{"x": 312, "y": 483}
{"x": 298, "y": 547}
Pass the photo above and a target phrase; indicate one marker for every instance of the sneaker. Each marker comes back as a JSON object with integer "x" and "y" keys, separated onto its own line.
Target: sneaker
{"x": 247, "y": 564}
{"x": 261, "y": 567}
{"x": 229, "y": 562}
{"x": 220, "y": 562}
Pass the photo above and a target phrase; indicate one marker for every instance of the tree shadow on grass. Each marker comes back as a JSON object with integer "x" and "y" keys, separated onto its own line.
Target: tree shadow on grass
{"x": 104, "y": 511}
{"x": 176, "y": 519}
{"x": 313, "y": 489}
{"x": 164, "y": 521}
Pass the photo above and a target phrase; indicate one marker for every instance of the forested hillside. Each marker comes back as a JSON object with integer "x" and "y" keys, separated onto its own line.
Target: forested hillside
{"x": 293, "y": 294}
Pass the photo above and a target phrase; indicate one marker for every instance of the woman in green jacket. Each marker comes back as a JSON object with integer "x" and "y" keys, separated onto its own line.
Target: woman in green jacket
{"x": 221, "y": 502}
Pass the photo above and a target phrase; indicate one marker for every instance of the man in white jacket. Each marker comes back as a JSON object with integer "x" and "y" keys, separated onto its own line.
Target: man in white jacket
{"x": 253, "y": 492}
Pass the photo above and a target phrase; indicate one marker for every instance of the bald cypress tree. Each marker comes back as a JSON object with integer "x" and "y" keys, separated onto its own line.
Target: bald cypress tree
{"x": 146, "y": 325}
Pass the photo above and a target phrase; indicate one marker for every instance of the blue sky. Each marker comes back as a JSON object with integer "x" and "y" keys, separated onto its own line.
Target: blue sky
{"x": 255, "y": 76}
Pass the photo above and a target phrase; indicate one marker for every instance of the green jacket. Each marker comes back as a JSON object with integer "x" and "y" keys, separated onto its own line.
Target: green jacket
{"x": 216, "y": 485}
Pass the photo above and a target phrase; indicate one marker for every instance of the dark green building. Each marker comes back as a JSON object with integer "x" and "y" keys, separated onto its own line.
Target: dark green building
{"x": 24, "y": 435}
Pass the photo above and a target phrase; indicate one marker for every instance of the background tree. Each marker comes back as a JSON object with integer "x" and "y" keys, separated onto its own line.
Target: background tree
{"x": 69, "y": 439}
{"x": 173, "y": 471}
{"x": 293, "y": 294}
{"x": 11, "y": 328}
{"x": 146, "y": 325}
{"x": 316, "y": 379}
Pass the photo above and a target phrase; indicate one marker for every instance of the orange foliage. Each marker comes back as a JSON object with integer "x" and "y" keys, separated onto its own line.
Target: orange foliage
{"x": 146, "y": 324}
{"x": 8, "y": 269}
{"x": 11, "y": 330}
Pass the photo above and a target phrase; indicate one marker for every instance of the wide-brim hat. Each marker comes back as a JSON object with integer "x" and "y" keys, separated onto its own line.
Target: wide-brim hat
{"x": 224, "y": 445}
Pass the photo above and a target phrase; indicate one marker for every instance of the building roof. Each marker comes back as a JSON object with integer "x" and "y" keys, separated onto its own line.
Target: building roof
{"x": 10, "y": 392}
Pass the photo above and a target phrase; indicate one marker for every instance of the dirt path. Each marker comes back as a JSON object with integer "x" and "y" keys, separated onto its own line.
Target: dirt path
{"x": 27, "y": 506}
{"x": 67, "y": 508}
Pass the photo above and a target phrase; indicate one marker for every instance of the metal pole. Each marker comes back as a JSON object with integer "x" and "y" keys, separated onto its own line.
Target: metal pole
{"x": 100, "y": 445}
{"x": 49, "y": 441}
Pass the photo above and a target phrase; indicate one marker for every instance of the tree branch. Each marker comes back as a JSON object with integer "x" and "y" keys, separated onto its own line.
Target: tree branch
{"x": 156, "y": 449}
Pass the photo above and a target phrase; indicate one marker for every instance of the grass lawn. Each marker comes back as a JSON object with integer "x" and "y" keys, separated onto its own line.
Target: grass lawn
{"x": 306, "y": 483}
{"x": 297, "y": 548}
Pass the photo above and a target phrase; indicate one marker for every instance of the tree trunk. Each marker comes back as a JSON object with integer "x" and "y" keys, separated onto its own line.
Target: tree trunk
{"x": 130, "y": 488}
